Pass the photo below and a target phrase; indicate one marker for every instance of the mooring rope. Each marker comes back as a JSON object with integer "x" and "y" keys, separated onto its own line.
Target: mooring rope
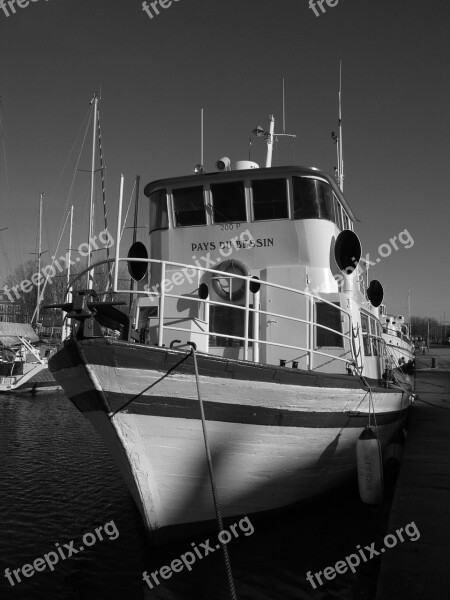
{"x": 211, "y": 476}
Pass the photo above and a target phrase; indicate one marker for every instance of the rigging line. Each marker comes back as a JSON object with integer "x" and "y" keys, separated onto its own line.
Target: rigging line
{"x": 68, "y": 158}
{"x": 79, "y": 158}
{"x": 172, "y": 368}
{"x": 128, "y": 209}
{"x": 211, "y": 475}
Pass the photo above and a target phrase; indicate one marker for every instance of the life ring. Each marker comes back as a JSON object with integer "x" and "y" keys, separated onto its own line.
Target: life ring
{"x": 230, "y": 288}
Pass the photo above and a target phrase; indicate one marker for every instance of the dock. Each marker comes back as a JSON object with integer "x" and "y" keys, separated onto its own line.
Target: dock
{"x": 418, "y": 570}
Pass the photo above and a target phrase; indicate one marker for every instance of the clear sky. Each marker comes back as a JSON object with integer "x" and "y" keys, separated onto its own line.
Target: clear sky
{"x": 230, "y": 58}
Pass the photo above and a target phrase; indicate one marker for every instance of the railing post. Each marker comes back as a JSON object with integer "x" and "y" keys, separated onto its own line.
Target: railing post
{"x": 207, "y": 318}
{"x": 246, "y": 320}
{"x": 310, "y": 333}
{"x": 162, "y": 298}
{"x": 256, "y": 325}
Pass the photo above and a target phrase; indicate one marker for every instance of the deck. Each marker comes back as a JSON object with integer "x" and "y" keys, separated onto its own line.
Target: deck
{"x": 419, "y": 570}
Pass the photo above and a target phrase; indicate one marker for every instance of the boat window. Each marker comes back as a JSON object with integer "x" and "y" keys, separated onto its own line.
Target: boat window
{"x": 338, "y": 212}
{"x": 365, "y": 333}
{"x": 189, "y": 206}
{"x": 158, "y": 210}
{"x": 376, "y": 349}
{"x": 313, "y": 199}
{"x": 329, "y": 316}
{"x": 346, "y": 221}
{"x": 228, "y": 202}
{"x": 270, "y": 199}
{"x": 228, "y": 320}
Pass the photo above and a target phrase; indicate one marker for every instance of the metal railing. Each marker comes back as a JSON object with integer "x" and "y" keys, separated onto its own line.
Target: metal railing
{"x": 255, "y": 312}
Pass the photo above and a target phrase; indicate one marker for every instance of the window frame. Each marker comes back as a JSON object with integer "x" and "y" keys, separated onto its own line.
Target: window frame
{"x": 205, "y": 205}
{"x": 286, "y": 179}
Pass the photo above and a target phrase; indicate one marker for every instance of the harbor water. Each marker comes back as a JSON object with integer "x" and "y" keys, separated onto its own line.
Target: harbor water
{"x": 59, "y": 483}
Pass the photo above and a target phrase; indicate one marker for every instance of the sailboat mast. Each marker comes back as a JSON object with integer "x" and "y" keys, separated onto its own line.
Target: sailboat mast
{"x": 41, "y": 198}
{"x": 70, "y": 248}
{"x": 91, "y": 205}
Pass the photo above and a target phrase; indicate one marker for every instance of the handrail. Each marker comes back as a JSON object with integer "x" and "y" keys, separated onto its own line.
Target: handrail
{"x": 161, "y": 294}
{"x": 223, "y": 273}
{"x": 309, "y": 322}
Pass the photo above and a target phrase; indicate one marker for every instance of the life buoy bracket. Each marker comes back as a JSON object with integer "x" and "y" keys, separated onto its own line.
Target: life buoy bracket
{"x": 235, "y": 290}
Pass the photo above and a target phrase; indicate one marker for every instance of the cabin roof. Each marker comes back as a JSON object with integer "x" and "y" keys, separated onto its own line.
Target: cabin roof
{"x": 261, "y": 173}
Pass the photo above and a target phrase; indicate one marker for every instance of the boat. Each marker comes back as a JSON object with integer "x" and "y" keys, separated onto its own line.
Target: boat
{"x": 23, "y": 366}
{"x": 251, "y": 331}
{"x": 400, "y": 348}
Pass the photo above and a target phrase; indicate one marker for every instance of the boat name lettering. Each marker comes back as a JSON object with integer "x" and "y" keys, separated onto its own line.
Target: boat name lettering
{"x": 241, "y": 244}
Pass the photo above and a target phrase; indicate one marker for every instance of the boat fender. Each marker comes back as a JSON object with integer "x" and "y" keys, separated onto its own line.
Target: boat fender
{"x": 370, "y": 468}
{"x": 233, "y": 290}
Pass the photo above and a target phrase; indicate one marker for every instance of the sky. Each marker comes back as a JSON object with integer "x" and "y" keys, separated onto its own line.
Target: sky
{"x": 229, "y": 58}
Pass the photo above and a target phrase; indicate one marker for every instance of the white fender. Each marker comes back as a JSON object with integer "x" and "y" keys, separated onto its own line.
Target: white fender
{"x": 370, "y": 467}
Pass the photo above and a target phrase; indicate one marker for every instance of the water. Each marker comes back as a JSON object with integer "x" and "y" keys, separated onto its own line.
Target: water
{"x": 58, "y": 483}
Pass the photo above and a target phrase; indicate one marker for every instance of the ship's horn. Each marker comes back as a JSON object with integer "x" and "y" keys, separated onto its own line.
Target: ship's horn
{"x": 347, "y": 251}
{"x": 375, "y": 293}
{"x": 137, "y": 270}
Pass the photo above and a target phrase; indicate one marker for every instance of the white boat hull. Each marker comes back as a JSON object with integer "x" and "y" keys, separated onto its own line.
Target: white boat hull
{"x": 271, "y": 444}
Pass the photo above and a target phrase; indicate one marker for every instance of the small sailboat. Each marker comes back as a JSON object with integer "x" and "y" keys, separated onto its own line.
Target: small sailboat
{"x": 249, "y": 300}
{"x": 22, "y": 368}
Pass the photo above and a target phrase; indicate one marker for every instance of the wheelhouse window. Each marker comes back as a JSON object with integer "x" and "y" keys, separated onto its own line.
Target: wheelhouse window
{"x": 338, "y": 212}
{"x": 270, "y": 199}
{"x": 189, "y": 206}
{"x": 346, "y": 221}
{"x": 228, "y": 202}
{"x": 228, "y": 320}
{"x": 328, "y": 316}
{"x": 366, "y": 336}
{"x": 158, "y": 210}
{"x": 313, "y": 199}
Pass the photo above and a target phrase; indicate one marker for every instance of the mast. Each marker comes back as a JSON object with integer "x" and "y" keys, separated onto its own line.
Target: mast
{"x": 269, "y": 140}
{"x": 70, "y": 248}
{"x": 340, "y": 148}
{"x": 65, "y": 331}
{"x": 91, "y": 205}
{"x": 201, "y": 137}
{"x": 409, "y": 312}
{"x": 135, "y": 225}
{"x": 39, "y": 258}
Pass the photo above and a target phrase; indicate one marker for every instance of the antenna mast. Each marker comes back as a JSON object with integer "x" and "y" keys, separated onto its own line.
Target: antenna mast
{"x": 340, "y": 150}
{"x": 201, "y": 137}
